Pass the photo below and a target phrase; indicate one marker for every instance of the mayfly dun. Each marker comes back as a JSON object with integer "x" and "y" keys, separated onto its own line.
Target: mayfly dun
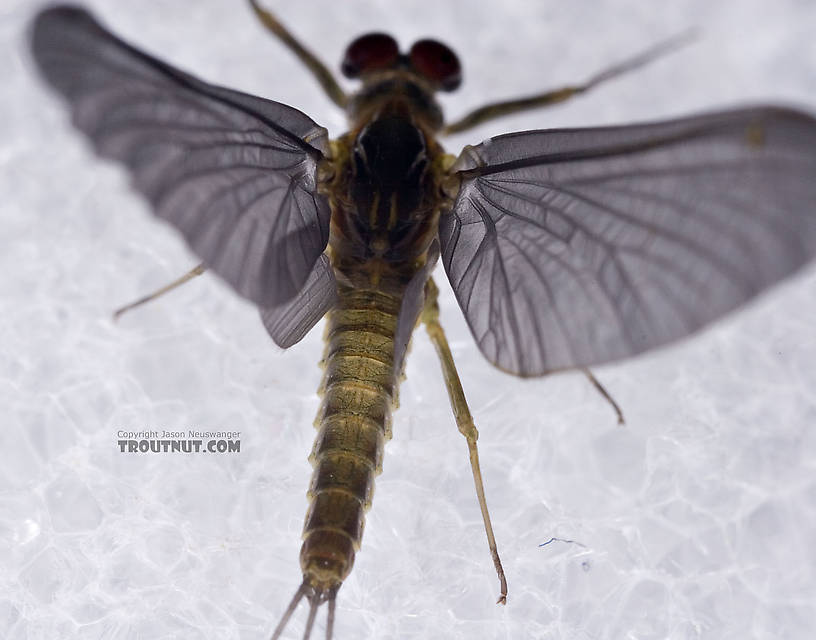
{"x": 565, "y": 248}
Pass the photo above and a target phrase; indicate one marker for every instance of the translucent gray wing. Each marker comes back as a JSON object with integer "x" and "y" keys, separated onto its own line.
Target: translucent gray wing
{"x": 570, "y": 248}
{"x": 413, "y": 300}
{"x": 287, "y": 323}
{"x": 235, "y": 174}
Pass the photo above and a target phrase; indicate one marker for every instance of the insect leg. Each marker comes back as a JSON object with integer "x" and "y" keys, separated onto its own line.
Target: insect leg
{"x": 464, "y": 421}
{"x": 196, "y": 271}
{"x": 318, "y": 69}
{"x": 602, "y": 390}
{"x": 498, "y": 109}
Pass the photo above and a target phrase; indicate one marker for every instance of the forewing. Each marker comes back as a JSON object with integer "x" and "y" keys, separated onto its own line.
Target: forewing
{"x": 235, "y": 174}
{"x": 570, "y": 248}
{"x": 287, "y": 323}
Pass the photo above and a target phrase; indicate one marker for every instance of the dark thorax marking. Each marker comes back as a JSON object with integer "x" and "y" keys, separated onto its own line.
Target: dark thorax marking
{"x": 389, "y": 166}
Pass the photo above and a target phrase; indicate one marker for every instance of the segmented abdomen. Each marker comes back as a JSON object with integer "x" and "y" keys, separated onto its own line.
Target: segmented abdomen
{"x": 354, "y": 421}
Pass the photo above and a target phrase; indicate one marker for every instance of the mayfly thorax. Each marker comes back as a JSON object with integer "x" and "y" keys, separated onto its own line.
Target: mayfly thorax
{"x": 565, "y": 248}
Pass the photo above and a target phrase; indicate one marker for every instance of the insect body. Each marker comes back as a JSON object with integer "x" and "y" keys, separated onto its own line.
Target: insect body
{"x": 385, "y": 204}
{"x": 565, "y": 248}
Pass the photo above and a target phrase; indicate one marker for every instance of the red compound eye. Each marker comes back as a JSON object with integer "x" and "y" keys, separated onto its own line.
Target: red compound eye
{"x": 368, "y": 53}
{"x": 437, "y": 63}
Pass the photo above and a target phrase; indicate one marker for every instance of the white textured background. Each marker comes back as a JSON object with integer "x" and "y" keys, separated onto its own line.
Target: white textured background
{"x": 697, "y": 519}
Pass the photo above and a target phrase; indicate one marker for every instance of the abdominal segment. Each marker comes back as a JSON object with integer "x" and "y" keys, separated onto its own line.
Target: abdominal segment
{"x": 354, "y": 421}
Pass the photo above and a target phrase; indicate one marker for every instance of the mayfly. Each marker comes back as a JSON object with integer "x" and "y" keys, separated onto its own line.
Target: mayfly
{"x": 565, "y": 248}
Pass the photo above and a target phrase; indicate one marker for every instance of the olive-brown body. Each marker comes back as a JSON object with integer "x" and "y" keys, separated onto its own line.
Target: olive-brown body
{"x": 383, "y": 186}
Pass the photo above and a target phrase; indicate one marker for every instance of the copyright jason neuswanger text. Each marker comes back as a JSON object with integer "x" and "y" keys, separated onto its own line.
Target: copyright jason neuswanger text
{"x": 190, "y": 441}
